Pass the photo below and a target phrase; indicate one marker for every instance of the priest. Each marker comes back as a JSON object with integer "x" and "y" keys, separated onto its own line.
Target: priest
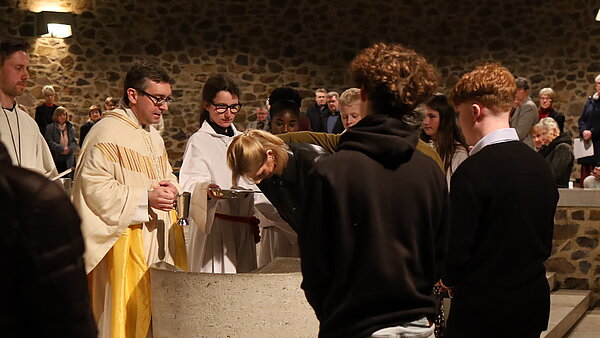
{"x": 125, "y": 192}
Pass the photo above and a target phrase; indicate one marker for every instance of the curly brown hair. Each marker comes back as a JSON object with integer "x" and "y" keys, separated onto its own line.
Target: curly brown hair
{"x": 396, "y": 79}
{"x": 491, "y": 85}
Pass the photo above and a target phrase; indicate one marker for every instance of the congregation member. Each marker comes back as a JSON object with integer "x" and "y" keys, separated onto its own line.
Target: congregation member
{"x": 62, "y": 140}
{"x": 546, "y": 97}
{"x": 262, "y": 119}
{"x": 94, "y": 115}
{"x": 441, "y": 131}
{"x": 41, "y": 249}
{"x": 538, "y": 136}
{"x": 525, "y": 114}
{"x": 45, "y": 111}
{"x": 557, "y": 150}
{"x": 316, "y": 112}
{"x": 350, "y": 107}
{"x": 332, "y": 121}
{"x": 503, "y": 199}
{"x": 110, "y": 103}
{"x": 378, "y": 208}
{"x": 593, "y": 180}
{"x": 589, "y": 130}
{"x": 18, "y": 131}
{"x": 125, "y": 191}
{"x": 284, "y": 110}
{"x": 223, "y": 233}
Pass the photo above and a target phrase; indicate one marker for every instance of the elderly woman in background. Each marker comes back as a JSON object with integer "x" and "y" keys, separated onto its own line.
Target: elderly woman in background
{"x": 441, "y": 131}
{"x": 557, "y": 150}
{"x": 546, "y": 109}
{"x": 61, "y": 139}
{"x": 538, "y": 136}
{"x": 589, "y": 129}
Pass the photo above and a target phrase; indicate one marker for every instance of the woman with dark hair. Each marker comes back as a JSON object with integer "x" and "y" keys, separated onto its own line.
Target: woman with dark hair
{"x": 285, "y": 110}
{"x": 441, "y": 131}
{"x": 60, "y": 136}
{"x": 222, "y": 234}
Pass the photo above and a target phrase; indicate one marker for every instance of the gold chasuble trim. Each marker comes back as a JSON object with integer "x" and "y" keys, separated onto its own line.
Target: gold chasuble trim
{"x": 132, "y": 160}
{"x": 123, "y": 118}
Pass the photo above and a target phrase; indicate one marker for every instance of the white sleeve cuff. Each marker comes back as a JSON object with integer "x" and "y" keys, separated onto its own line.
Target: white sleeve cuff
{"x": 141, "y": 213}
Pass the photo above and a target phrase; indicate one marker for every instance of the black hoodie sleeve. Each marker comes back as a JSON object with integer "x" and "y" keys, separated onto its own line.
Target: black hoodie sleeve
{"x": 315, "y": 240}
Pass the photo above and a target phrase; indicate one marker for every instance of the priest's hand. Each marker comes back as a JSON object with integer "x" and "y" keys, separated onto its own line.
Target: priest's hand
{"x": 586, "y": 135}
{"x": 210, "y": 193}
{"x": 171, "y": 186}
{"x": 162, "y": 198}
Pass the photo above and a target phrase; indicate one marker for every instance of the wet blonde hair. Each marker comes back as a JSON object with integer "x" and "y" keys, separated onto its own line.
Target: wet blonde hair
{"x": 248, "y": 152}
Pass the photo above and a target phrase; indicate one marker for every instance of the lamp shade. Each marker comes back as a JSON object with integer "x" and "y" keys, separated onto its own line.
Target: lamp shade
{"x": 54, "y": 24}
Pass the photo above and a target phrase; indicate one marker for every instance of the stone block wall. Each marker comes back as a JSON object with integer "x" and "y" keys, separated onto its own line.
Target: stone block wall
{"x": 269, "y": 43}
{"x": 575, "y": 252}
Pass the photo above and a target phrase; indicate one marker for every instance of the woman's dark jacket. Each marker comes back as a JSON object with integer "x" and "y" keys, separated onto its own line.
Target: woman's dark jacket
{"x": 285, "y": 191}
{"x": 84, "y": 130}
{"x": 374, "y": 240}
{"x": 590, "y": 120}
{"x": 559, "y": 155}
{"x": 41, "y": 249}
{"x": 52, "y": 136}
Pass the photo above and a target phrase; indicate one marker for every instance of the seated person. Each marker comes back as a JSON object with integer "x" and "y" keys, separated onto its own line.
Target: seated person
{"x": 558, "y": 151}
{"x": 538, "y": 136}
{"x": 593, "y": 181}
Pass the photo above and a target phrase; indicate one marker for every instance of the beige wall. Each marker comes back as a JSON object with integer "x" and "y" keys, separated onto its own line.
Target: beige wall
{"x": 264, "y": 44}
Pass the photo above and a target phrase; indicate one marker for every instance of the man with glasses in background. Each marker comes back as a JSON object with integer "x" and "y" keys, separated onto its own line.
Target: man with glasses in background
{"x": 125, "y": 192}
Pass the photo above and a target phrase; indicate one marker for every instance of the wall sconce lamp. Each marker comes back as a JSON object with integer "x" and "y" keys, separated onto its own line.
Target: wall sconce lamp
{"x": 598, "y": 16}
{"x": 54, "y": 24}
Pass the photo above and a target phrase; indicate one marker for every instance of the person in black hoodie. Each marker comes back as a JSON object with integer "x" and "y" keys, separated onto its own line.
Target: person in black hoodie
{"x": 558, "y": 151}
{"x": 41, "y": 253}
{"x": 373, "y": 243}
